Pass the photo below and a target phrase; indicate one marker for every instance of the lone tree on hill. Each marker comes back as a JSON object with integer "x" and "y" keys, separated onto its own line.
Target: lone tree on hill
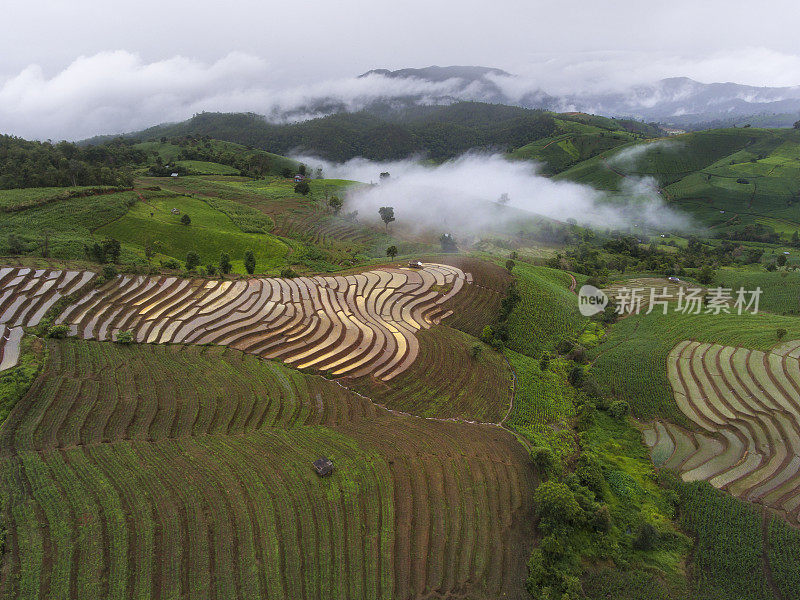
{"x": 391, "y": 252}
{"x": 249, "y": 262}
{"x": 225, "y": 263}
{"x": 186, "y": 219}
{"x": 387, "y": 215}
{"x": 503, "y": 199}
{"x": 302, "y": 170}
{"x": 192, "y": 261}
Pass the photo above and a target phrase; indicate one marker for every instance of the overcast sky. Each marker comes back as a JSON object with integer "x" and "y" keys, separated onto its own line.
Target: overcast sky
{"x": 72, "y": 69}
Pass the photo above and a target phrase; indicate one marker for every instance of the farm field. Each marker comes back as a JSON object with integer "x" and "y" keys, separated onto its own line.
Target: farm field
{"x": 305, "y": 218}
{"x": 546, "y": 313}
{"x": 21, "y": 198}
{"x": 165, "y": 471}
{"x": 745, "y": 403}
{"x": 210, "y": 233}
{"x": 446, "y": 380}
{"x": 631, "y": 363}
{"x": 345, "y": 325}
{"x": 715, "y": 175}
{"x": 67, "y": 225}
{"x": 25, "y": 297}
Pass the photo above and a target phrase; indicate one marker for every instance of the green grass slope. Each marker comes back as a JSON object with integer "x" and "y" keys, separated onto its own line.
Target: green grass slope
{"x": 210, "y": 233}
{"x": 547, "y": 311}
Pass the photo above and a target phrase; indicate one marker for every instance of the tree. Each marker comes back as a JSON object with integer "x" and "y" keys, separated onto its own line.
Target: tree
{"x": 391, "y": 252}
{"x": 646, "y": 537}
{"x": 503, "y": 199}
{"x": 302, "y": 170}
{"x": 387, "y": 215}
{"x": 706, "y": 275}
{"x": 186, "y": 219}
{"x": 149, "y": 250}
{"x": 476, "y": 350}
{"x": 781, "y": 333}
{"x": 111, "y": 249}
{"x": 556, "y": 504}
{"x": 249, "y": 262}
{"x": 302, "y": 188}
{"x": 335, "y": 204}
{"x": 797, "y": 124}
{"x": 385, "y": 176}
{"x": 448, "y": 243}
{"x": 225, "y": 263}
{"x": 510, "y": 265}
{"x": 286, "y": 172}
{"x": 781, "y": 260}
{"x": 192, "y": 261}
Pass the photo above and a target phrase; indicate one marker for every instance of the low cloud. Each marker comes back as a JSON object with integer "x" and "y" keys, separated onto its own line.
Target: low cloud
{"x": 460, "y": 196}
{"x": 117, "y": 91}
{"x": 629, "y": 157}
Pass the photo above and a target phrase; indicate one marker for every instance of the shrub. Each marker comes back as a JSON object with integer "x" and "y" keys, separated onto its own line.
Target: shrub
{"x": 58, "y": 331}
{"x": 601, "y": 520}
{"x": 391, "y": 252}
{"x": 124, "y": 337}
{"x": 556, "y": 504}
{"x": 171, "y": 263}
{"x": 619, "y": 409}
{"x": 302, "y": 188}
{"x": 211, "y": 270}
{"x": 288, "y": 273}
{"x": 109, "y": 272}
{"x": 543, "y": 459}
{"x": 192, "y": 260}
{"x": 186, "y": 219}
{"x": 476, "y": 350}
{"x": 225, "y": 263}
{"x": 646, "y": 537}
{"x": 249, "y": 262}
{"x": 781, "y": 333}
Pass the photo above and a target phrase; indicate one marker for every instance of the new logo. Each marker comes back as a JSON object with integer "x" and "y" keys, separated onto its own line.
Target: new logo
{"x": 591, "y": 300}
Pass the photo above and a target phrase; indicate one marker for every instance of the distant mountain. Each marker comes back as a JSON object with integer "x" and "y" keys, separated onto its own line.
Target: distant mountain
{"x": 678, "y": 101}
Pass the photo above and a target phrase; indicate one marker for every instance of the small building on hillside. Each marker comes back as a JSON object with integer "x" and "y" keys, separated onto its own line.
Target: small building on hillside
{"x": 415, "y": 264}
{"x": 175, "y": 211}
{"x": 323, "y": 466}
{"x": 298, "y": 178}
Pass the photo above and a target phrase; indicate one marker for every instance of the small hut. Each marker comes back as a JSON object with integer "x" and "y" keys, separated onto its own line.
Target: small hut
{"x": 323, "y": 466}
{"x": 415, "y": 264}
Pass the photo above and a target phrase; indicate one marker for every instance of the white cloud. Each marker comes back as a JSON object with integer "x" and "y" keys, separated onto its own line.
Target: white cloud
{"x": 459, "y": 195}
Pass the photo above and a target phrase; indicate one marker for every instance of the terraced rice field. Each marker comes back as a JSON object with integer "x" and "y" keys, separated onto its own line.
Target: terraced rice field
{"x": 184, "y": 472}
{"x": 349, "y": 325}
{"x": 446, "y": 381}
{"x": 25, "y": 297}
{"x": 478, "y": 304}
{"x": 745, "y": 405}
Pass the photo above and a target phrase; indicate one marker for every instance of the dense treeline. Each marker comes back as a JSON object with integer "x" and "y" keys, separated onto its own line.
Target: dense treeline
{"x": 25, "y": 164}
{"x": 440, "y": 132}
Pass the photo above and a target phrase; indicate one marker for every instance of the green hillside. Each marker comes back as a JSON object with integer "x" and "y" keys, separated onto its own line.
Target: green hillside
{"x": 726, "y": 178}
{"x": 384, "y": 133}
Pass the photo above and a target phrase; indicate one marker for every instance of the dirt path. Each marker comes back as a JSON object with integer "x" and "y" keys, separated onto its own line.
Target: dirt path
{"x": 573, "y": 284}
